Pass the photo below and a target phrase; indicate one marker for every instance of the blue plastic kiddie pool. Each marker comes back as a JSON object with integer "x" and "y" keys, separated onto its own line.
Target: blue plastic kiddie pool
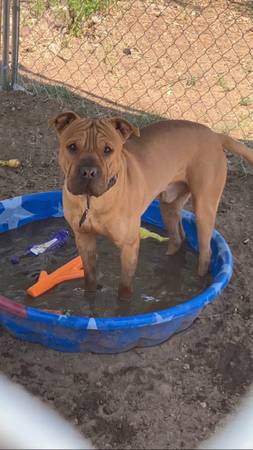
{"x": 114, "y": 334}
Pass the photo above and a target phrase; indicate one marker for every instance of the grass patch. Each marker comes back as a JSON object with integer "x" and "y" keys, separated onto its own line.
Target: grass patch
{"x": 52, "y": 91}
{"x": 84, "y": 9}
{"x": 72, "y": 12}
{"x": 85, "y": 107}
{"x": 246, "y": 101}
{"x": 223, "y": 84}
{"x": 38, "y": 8}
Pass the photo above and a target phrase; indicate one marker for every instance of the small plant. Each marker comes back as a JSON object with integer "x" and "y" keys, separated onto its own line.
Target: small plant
{"x": 80, "y": 10}
{"x": 38, "y": 8}
{"x": 191, "y": 81}
{"x": 77, "y": 11}
{"x": 170, "y": 90}
{"x": 223, "y": 83}
{"x": 246, "y": 101}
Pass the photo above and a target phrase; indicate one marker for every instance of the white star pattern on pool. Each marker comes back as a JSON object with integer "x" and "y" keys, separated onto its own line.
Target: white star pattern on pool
{"x": 92, "y": 324}
{"x": 59, "y": 212}
{"x": 13, "y": 212}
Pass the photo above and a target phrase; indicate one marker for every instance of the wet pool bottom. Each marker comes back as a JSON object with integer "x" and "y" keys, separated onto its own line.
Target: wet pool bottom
{"x": 161, "y": 281}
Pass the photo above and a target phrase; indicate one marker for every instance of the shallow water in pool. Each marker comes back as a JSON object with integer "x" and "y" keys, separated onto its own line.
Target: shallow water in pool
{"x": 161, "y": 281}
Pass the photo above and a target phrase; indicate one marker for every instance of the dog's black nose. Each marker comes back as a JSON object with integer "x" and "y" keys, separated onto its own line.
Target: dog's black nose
{"x": 89, "y": 172}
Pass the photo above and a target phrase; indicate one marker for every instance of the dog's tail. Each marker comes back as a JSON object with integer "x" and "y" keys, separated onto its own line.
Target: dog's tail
{"x": 236, "y": 147}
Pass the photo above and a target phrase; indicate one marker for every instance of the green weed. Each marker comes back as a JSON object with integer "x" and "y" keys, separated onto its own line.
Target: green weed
{"x": 38, "y": 8}
{"x": 223, "y": 84}
{"x": 78, "y": 11}
{"x": 191, "y": 82}
{"x": 246, "y": 101}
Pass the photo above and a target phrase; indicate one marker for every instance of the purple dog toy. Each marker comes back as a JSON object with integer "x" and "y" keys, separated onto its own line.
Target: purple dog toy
{"x": 57, "y": 240}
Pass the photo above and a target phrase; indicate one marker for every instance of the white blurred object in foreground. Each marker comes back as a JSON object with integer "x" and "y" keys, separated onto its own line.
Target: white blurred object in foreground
{"x": 26, "y": 422}
{"x": 237, "y": 432}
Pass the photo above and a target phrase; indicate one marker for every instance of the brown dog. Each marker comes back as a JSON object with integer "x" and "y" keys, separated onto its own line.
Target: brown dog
{"x": 112, "y": 173}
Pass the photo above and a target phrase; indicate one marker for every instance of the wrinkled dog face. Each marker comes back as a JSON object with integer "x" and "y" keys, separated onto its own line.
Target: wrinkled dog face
{"x": 90, "y": 151}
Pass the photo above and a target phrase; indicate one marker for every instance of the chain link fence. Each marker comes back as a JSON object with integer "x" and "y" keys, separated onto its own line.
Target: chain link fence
{"x": 190, "y": 59}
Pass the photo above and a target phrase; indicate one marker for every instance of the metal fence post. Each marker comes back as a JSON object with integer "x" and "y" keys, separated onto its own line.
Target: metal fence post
{"x": 1, "y": 13}
{"x": 5, "y": 50}
{"x": 15, "y": 41}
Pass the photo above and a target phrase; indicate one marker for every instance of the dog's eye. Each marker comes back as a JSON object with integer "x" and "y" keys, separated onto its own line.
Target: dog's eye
{"x": 107, "y": 150}
{"x": 72, "y": 148}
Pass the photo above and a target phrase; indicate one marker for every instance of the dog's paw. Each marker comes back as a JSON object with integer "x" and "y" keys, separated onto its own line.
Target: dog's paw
{"x": 124, "y": 292}
{"x": 90, "y": 285}
{"x": 173, "y": 247}
{"x": 203, "y": 268}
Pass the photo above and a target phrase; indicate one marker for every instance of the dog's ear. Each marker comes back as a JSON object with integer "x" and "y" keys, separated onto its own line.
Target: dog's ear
{"x": 60, "y": 122}
{"x": 124, "y": 128}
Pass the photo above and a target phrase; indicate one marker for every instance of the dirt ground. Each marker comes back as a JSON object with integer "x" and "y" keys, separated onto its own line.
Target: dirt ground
{"x": 180, "y": 58}
{"x": 170, "y": 396}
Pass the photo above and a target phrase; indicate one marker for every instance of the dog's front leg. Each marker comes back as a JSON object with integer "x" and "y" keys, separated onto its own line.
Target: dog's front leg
{"x": 86, "y": 245}
{"x": 129, "y": 257}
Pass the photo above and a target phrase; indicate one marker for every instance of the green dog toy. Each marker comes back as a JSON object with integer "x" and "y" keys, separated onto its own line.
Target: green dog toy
{"x": 150, "y": 234}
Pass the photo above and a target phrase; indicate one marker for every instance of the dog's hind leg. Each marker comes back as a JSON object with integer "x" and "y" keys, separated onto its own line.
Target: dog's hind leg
{"x": 172, "y": 202}
{"x": 206, "y": 188}
{"x": 205, "y": 211}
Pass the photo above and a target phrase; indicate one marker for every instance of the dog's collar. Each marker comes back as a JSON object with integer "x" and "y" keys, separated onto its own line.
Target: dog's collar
{"x": 84, "y": 215}
{"x": 111, "y": 183}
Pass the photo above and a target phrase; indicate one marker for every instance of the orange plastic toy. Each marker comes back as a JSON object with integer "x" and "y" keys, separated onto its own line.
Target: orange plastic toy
{"x": 70, "y": 271}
